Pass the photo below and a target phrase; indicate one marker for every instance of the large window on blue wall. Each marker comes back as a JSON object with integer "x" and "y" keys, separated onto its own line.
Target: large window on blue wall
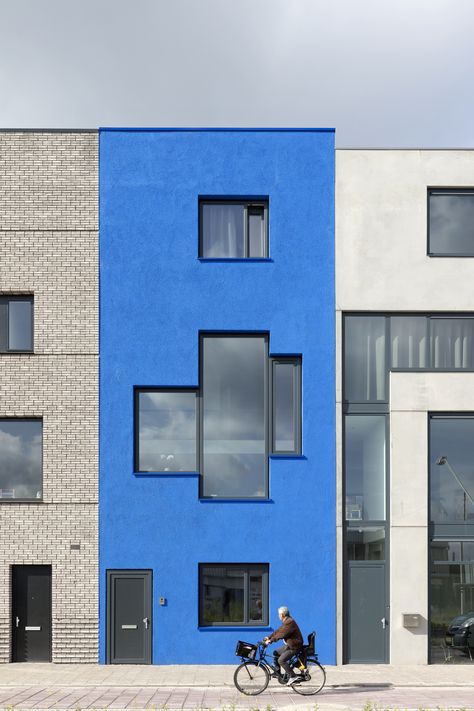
{"x": 234, "y": 452}
{"x": 233, "y": 594}
{"x": 233, "y": 229}
{"x": 165, "y": 436}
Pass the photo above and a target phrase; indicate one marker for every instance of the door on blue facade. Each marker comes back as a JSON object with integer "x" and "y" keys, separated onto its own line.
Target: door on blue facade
{"x": 129, "y": 616}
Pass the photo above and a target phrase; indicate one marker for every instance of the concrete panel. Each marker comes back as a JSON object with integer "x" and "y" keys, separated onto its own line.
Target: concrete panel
{"x": 432, "y": 391}
{"x": 409, "y": 588}
{"x": 409, "y": 476}
{"x": 381, "y": 231}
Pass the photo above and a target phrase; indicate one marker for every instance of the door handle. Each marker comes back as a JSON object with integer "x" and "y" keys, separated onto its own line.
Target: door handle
{"x": 146, "y": 622}
{"x": 17, "y": 621}
{"x": 384, "y": 622}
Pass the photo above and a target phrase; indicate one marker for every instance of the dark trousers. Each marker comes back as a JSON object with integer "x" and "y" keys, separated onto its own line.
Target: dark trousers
{"x": 282, "y": 657}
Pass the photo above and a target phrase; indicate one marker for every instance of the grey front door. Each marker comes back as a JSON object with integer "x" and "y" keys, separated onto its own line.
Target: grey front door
{"x": 366, "y": 620}
{"x": 129, "y": 623}
{"x": 31, "y": 613}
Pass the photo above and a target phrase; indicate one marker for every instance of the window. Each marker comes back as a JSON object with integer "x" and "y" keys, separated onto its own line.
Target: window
{"x": 451, "y": 223}
{"x": 233, "y": 229}
{"x": 286, "y": 405}
{"x": 234, "y": 416}
{"x": 233, "y": 594}
{"x": 21, "y": 459}
{"x": 222, "y": 430}
{"x": 367, "y": 543}
{"x": 364, "y": 466}
{"x": 165, "y": 440}
{"x": 365, "y": 368}
{"x": 16, "y": 324}
{"x": 452, "y": 469}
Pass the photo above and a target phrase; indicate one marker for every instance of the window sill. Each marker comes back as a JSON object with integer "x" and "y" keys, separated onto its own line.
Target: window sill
{"x": 234, "y": 628}
{"x": 21, "y": 501}
{"x": 216, "y": 500}
{"x": 165, "y": 474}
{"x": 235, "y": 259}
{"x": 285, "y": 455}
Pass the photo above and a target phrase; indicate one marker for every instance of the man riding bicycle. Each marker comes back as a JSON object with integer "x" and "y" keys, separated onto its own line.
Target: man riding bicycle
{"x": 290, "y": 633}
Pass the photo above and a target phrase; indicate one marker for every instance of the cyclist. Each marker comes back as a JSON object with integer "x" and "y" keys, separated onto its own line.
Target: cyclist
{"x": 290, "y": 633}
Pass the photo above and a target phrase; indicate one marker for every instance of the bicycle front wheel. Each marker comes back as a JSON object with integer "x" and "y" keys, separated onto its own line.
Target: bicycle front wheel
{"x": 251, "y": 678}
{"x": 312, "y": 680}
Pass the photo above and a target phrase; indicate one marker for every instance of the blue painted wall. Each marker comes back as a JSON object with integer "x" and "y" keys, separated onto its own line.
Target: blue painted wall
{"x": 155, "y": 297}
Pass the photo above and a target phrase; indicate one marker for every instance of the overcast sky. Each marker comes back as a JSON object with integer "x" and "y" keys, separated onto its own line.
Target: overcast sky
{"x": 389, "y": 73}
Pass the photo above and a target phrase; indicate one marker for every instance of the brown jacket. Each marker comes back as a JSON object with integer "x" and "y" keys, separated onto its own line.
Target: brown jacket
{"x": 290, "y": 632}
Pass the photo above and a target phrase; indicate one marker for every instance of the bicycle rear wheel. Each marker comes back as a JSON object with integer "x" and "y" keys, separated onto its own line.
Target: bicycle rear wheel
{"x": 251, "y": 678}
{"x": 312, "y": 680}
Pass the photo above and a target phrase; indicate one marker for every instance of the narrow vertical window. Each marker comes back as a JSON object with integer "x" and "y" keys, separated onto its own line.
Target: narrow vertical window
{"x": 233, "y": 229}
{"x": 286, "y": 405}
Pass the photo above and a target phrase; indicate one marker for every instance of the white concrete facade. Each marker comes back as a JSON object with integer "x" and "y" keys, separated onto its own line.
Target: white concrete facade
{"x": 382, "y": 266}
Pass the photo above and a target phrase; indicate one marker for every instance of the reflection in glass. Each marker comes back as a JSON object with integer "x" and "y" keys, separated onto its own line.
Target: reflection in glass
{"x": 222, "y": 596}
{"x": 21, "y": 459}
{"x": 451, "y": 228}
{"x": 452, "y": 600}
{"x": 364, "y": 457}
{"x": 409, "y": 341}
{"x": 365, "y": 543}
{"x": 286, "y": 376}
{"x": 452, "y": 343}
{"x": 255, "y": 598}
{"x": 364, "y": 359}
{"x": 222, "y": 230}
{"x": 166, "y": 431}
{"x": 453, "y": 438}
{"x": 19, "y": 325}
{"x": 233, "y": 594}
{"x": 256, "y": 230}
{"x": 234, "y": 456}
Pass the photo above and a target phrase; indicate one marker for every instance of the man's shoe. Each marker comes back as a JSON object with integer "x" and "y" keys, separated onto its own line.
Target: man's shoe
{"x": 292, "y": 680}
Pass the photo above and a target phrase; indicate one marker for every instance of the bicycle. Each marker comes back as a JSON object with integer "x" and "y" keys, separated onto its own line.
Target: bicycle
{"x": 253, "y": 674}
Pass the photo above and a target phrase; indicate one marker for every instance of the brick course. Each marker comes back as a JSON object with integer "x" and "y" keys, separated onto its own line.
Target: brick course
{"x": 49, "y": 248}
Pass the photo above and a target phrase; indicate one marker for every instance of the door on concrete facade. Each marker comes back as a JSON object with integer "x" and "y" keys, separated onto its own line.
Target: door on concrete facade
{"x": 129, "y": 620}
{"x": 31, "y": 613}
{"x": 366, "y": 614}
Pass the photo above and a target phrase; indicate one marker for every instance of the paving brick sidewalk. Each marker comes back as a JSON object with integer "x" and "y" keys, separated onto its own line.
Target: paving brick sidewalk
{"x": 25, "y": 687}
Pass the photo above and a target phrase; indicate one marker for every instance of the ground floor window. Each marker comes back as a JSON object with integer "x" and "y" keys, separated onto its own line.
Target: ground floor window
{"x": 233, "y": 594}
{"x": 452, "y": 601}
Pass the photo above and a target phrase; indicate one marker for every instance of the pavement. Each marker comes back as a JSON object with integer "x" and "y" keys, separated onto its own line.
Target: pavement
{"x": 74, "y": 687}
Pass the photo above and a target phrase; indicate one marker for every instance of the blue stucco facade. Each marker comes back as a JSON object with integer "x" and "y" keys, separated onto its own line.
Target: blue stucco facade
{"x": 156, "y": 296}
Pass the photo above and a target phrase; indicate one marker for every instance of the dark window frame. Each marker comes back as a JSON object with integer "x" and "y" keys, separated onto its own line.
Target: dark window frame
{"x": 445, "y": 191}
{"x": 261, "y": 568}
{"x": 233, "y": 334}
{"x": 34, "y": 500}
{"x": 8, "y": 298}
{"x": 261, "y": 203}
{"x": 297, "y": 362}
{"x": 136, "y": 428}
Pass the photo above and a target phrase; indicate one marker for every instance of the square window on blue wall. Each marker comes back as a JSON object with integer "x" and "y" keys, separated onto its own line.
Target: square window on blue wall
{"x": 233, "y": 229}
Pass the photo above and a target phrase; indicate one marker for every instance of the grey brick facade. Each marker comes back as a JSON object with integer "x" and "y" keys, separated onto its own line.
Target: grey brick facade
{"x": 49, "y": 248}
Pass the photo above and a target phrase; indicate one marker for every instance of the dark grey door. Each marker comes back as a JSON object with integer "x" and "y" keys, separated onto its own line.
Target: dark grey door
{"x": 129, "y": 623}
{"x": 366, "y": 622}
{"x": 31, "y": 613}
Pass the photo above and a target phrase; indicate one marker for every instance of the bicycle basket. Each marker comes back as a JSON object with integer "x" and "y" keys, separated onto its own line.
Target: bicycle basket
{"x": 246, "y": 650}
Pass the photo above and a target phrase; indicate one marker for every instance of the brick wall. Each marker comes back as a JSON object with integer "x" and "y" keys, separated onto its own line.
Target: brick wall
{"x": 49, "y": 248}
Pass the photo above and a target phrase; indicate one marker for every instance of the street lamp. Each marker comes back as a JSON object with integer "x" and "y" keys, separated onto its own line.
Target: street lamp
{"x": 444, "y": 460}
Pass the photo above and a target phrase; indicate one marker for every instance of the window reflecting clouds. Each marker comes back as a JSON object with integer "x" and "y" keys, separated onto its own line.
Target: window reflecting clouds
{"x": 452, "y": 483}
{"x": 451, "y": 223}
{"x": 21, "y": 459}
{"x": 167, "y": 431}
{"x": 234, "y": 456}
